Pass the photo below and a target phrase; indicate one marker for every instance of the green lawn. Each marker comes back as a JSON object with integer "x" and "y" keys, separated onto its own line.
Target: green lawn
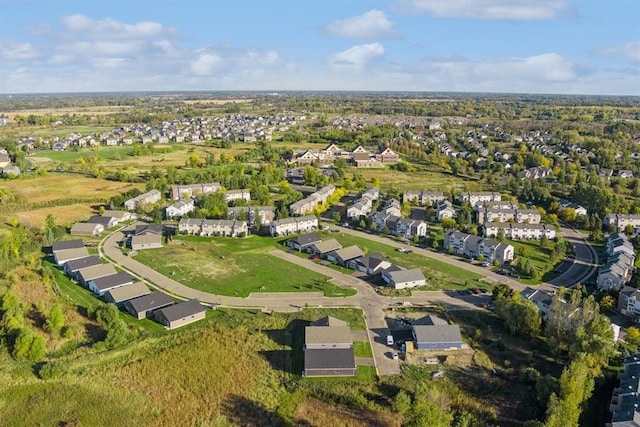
{"x": 105, "y": 153}
{"x": 362, "y": 349}
{"x": 234, "y": 267}
{"x": 539, "y": 258}
{"x": 439, "y": 275}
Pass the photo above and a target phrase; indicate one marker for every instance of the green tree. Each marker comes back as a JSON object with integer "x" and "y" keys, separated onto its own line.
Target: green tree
{"x": 576, "y": 384}
{"x": 633, "y": 336}
{"x": 521, "y": 317}
{"x": 55, "y": 320}
{"x": 28, "y": 346}
{"x": 401, "y": 403}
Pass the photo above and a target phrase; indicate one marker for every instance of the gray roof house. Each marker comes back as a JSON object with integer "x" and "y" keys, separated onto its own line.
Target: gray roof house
{"x": 86, "y": 229}
{"x": 71, "y": 267}
{"x": 303, "y": 241}
{"x": 101, "y": 285}
{"x": 67, "y": 244}
{"x": 142, "y": 307}
{"x": 146, "y": 241}
{"x": 105, "y": 221}
{"x": 324, "y": 247}
{"x": 370, "y": 264}
{"x": 119, "y": 296}
{"x": 328, "y": 349}
{"x": 401, "y": 279}
{"x": 435, "y": 334}
{"x": 181, "y": 314}
{"x": 87, "y": 274}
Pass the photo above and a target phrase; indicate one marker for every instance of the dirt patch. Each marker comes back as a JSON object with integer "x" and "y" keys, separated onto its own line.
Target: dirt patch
{"x": 316, "y": 413}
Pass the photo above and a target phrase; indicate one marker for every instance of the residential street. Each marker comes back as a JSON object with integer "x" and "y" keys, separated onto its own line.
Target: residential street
{"x": 372, "y": 303}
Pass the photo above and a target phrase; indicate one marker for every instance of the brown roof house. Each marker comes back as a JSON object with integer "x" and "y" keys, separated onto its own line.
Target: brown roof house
{"x": 181, "y": 314}
{"x": 63, "y": 255}
{"x": 344, "y": 255}
{"x": 147, "y": 237}
{"x": 119, "y": 296}
{"x": 86, "y": 229}
{"x": 328, "y": 349}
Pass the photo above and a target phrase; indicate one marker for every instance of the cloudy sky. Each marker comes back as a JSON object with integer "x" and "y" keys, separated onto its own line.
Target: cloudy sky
{"x": 527, "y": 46}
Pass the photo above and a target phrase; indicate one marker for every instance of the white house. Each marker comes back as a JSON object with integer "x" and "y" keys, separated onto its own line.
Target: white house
{"x": 285, "y": 226}
{"x": 180, "y": 208}
{"x": 399, "y": 278}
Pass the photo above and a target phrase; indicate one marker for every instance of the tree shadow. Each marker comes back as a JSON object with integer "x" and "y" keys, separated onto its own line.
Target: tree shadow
{"x": 244, "y": 412}
{"x": 278, "y": 359}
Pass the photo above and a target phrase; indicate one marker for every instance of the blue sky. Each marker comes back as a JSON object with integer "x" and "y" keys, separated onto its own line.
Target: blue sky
{"x": 528, "y": 46}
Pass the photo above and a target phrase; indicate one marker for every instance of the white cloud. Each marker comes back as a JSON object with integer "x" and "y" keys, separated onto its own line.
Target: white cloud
{"x": 631, "y": 50}
{"x": 486, "y": 9}
{"x": 370, "y": 25}
{"x": 356, "y": 57}
{"x": 12, "y": 50}
{"x": 109, "y": 28}
{"x": 205, "y": 64}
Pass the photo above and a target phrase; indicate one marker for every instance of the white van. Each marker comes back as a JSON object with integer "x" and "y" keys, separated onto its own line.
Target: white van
{"x": 389, "y": 339}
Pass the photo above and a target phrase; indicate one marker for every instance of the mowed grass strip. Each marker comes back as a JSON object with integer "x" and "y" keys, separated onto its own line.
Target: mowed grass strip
{"x": 439, "y": 275}
{"x": 233, "y": 267}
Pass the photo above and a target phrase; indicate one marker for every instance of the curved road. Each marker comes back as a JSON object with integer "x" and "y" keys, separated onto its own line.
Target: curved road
{"x": 584, "y": 264}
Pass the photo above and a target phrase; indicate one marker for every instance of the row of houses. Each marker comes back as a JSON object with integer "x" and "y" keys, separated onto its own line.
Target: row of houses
{"x": 523, "y": 231}
{"x": 475, "y": 246}
{"x": 328, "y": 349}
{"x": 293, "y": 225}
{"x": 359, "y": 157}
{"x": 184, "y": 206}
{"x": 423, "y": 198}
{"x": 625, "y": 398}
{"x": 521, "y": 216}
{"x": 399, "y": 226}
{"x": 309, "y": 203}
{"x": 148, "y": 198}
{"x": 364, "y": 204}
{"x": 121, "y": 289}
{"x": 213, "y": 227}
{"x": 96, "y": 224}
{"x": 354, "y": 258}
{"x": 190, "y": 191}
{"x": 617, "y": 272}
{"x": 621, "y": 221}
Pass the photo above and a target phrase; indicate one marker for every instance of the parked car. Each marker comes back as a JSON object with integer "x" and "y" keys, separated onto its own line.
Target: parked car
{"x": 389, "y": 339}
{"x": 485, "y": 264}
{"x": 394, "y": 355}
{"x": 314, "y": 256}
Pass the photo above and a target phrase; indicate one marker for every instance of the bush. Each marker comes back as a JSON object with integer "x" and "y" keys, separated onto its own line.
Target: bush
{"x": 52, "y": 370}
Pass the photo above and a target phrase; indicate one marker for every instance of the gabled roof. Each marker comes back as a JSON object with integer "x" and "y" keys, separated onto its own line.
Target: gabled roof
{"x": 401, "y": 276}
{"x": 148, "y": 229}
{"x": 150, "y": 302}
{"x": 329, "y": 321}
{"x": 77, "y": 264}
{"x": 349, "y": 253}
{"x": 125, "y": 293}
{"x": 98, "y": 219}
{"x": 146, "y": 239}
{"x": 67, "y": 244}
{"x": 327, "y": 335}
{"x": 327, "y": 246}
{"x": 437, "y": 333}
{"x": 334, "y": 358}
{"x": 108, "y": 282}
{"x": 89, "y": 273}
{"x": 371, "y": 261}
{"x": 307, "y": 239}
{"x": 182, "y": 310}
{"x": 83, "y": 227}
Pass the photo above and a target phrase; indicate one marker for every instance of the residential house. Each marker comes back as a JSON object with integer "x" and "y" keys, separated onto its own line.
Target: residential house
{"x": 433, "y": 333}
{"x": 625, "y": 173}
{"x": 180, "y": 208}
{"x": 73, "y": 266}
{"x": 370, "y": 264}
{"x": 62, "y": 256}
{"x": 265, "y": 214}
{"x": 540, "y": 298}
{"x": 363, "y": 205}
{"x": 102, "y": 285}
{"x": 391, "y": 207}
{"x": 321, "y": 249}
{"x": 147, "y": 236}
{"x": 344, "y": 255}
{"x": 303, "y": 241}
{"x": 85, "y": 275}
{"x": 224, "y": 227}
{"x": 242, "y": 194}
{"x": 119, "y": 296}
{"x": 144, "y": 306}
{"x": 11, "y": 170}
{"x": 285, "y": 226}
{"x": 105, "y": 221}
{"x": 618, "y": 269}
{"x": 328, "y": 349}
{"x": 519, "y": 231}
{"x": 309, "y": 203}
{"x": 143, "y": 199}
{"x": 535, "y": 172}
{"x": 423, "y": 198}
{"x": 86, "y": 229}
{"x": 629, "y": 303}
{"x": 181, "y": 314}
{"x": 408, "y": 228}
{"x": 190, "y": 226}
{"x": 388, "y": 156}
{"x": 473, "y": 246}
{"x": 189, "y": 191}
{"x": 479, "y": 196}
{"x": 403, "y": 278}
{"x": 579, "y": 210}
{"x": 625, "y": 399}
{"x": 120, "y": 216}
{"x": 67, "y": 244}
{"x": 444, "y": 209}
{"x": 620, "y": 221}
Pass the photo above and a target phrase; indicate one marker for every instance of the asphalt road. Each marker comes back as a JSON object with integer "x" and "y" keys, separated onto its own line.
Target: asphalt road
{"x": 584, "y": 264}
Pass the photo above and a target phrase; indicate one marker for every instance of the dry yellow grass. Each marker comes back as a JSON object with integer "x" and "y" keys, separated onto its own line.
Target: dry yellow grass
{"x": 92, "y": 111}
{"x": 62, "y": 214}
{"x": 58, "y": 186}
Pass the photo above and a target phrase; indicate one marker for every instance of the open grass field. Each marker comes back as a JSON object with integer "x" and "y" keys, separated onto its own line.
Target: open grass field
{"x": 439, "y": 274}
{"x": 539, "y": 258}
{"x": 233, "y": 267}
{"x": 68, "y": 214}
{"x": 423, "y": 178}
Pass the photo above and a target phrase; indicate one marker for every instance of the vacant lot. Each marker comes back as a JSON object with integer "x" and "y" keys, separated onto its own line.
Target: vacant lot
{"x": 233, "y": 267}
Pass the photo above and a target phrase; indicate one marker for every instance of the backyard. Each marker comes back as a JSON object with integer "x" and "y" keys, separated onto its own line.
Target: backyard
{"x": 234, "y": 267}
